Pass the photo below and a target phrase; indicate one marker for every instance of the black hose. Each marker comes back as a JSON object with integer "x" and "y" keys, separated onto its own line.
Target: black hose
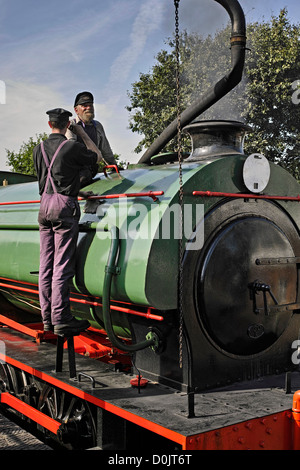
{"x": 110, "y": 271}
{"x": 220, "y": 89}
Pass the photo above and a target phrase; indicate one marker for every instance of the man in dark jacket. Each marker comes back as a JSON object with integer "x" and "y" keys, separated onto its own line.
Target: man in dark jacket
{"x": 84, "y": 109}
{"x": 58, "y": 163}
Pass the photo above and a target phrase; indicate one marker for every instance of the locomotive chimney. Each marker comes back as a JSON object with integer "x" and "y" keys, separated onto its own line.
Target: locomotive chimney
{"x": 216, "y": 138}
{"x": 220, "y": 89}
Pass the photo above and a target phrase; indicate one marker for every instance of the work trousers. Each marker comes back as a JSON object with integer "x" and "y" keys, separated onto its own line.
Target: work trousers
{"x": 58, "y": 224}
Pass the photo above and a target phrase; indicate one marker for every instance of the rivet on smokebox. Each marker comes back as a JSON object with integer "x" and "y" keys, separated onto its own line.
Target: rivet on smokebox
{"x": 138, "y": 382}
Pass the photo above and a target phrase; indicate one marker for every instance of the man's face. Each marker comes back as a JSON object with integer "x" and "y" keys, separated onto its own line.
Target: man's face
{"x": 85, "y": 112}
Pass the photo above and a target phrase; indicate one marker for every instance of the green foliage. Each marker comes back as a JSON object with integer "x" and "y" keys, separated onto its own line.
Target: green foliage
{"x": 22, "y": 162}
{"x": 272, "y": 68}
{"x": 203, "y": 61}
{"x": 120, "y": 163}
{"x": 263, "y": 99}
{"x": 153, "y": 100}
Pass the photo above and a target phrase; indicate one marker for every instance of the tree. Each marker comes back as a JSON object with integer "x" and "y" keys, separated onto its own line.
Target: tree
{"x": 22, "y": 162}
{"x": 263, "y": 99}
{"x": 272, "y": 68}
{"x": 153, "y": 100}
{"x": 203, "y": 61}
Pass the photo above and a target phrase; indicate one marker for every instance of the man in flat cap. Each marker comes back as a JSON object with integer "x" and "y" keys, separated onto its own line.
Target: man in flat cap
{"x": 84, "y": 108}
{"x": 58, "y": 162}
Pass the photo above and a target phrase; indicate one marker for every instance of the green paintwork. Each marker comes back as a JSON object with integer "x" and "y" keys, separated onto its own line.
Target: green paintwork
{"x": 149, "y": 264}
{"x": 7, "y": 177}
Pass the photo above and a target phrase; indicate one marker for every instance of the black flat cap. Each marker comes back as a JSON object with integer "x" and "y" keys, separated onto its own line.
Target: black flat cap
{"x": 84, "y": 97}
{"x": 58, "y": 113}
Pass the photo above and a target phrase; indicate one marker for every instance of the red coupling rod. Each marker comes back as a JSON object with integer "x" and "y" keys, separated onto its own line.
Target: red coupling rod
{"x": 245, "y": 196}
{"x": 27, "y": 410}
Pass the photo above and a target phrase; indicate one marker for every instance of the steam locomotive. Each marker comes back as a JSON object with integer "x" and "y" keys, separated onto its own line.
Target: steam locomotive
{"x": 188, "y": 273}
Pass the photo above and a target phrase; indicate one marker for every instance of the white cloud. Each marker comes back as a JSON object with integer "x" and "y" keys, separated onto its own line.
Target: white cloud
{"x": 2, "y": 92}
{"x": 24, "y": 116}
{"x": 112, "y": 112}
{"x": 121, "y": 139}
{"x": 21, "y": 117}
{"x": 44, "y": 69}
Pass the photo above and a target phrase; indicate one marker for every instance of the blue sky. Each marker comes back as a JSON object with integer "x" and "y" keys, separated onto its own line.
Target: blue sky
{"x": 50, "y": 51}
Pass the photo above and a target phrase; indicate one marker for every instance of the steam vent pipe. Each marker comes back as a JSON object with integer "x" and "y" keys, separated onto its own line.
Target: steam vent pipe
{"x": 220, "y": 89}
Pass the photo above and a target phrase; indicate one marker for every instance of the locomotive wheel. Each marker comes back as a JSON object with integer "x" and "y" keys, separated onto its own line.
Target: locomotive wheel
{"x": 79, "y": 425}
{"x": 8, "y": 379}
{"x": 14, "y": 381}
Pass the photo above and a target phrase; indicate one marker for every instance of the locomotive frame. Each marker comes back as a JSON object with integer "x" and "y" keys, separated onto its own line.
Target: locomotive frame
{"x": 100, "y": 408}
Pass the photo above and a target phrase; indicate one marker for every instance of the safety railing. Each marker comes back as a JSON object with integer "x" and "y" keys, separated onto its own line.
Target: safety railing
{"x": 152, "y": 194}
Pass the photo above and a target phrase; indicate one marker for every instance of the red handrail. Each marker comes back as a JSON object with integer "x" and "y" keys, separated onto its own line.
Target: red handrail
{"x": 152, "y": 194}
{"x": 19, "y": 202}
{"x": 111, "y": 166}
{"x": 244, "y": 196}
{"x": 148, "y": 315}
{"x": 46, "y": 421}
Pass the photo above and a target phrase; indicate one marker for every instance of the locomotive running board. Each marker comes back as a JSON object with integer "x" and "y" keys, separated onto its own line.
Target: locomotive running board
{"x": 254, "y": 416}
{"x": 21, "y": 351}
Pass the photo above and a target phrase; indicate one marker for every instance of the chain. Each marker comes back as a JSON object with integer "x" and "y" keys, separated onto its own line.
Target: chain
{"x": 179, "y": 143}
